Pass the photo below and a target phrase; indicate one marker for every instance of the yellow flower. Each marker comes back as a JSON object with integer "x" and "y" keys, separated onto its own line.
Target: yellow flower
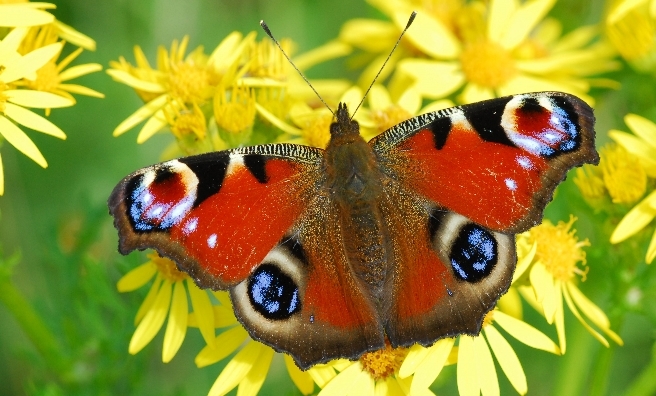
{"x": 375, "y": 373}
{"x": 553, "y": 277}
{"x": 476, "y": 371}
{"x": 486, "y": 52}
{"x": 14, "y": 67}
{"x": 234, "y": 113}
{"x": 22, "y": 14}
{"x": 50, "y": 77}
{"x": 166, "y": 297}
{"x": 249, "y": 367}
{"x": 642, "y": 144}
{"x": 631, "y": 29}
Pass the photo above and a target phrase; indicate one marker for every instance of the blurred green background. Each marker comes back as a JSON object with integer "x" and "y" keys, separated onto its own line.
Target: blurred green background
{"x": 56, "y": 219}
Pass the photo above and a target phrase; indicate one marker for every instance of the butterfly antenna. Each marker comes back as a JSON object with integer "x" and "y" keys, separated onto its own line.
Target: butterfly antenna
{"x": 268, "y": 32}
{"x": 410, "y": 20}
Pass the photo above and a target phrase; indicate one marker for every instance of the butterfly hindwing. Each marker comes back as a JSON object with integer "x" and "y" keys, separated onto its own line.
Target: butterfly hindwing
{"x": 304, "y": 299}
{"x": 496, "y": 162}
{"x": 217, "y": 215}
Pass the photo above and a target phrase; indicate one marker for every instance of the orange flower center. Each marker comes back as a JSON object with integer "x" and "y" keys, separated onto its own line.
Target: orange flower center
{"x": 559, "y": 250}
{"x": 623, "y": 175}
{"x": 234, "y": 110}
{"x": 384, "y": 362}
{"x": 167, "y": 268}
{"x": 487, "y": 64}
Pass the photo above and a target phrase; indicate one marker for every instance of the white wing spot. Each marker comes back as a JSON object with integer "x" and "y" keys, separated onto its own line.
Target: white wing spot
{"x": 211, "y": 241}
{"x": 511, "y": 184}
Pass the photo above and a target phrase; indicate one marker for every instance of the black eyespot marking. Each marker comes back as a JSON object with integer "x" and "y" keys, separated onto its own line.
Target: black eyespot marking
{"x": 162, "y": 174}
{"x": 531, "y": 105}
{"x": 440, "y": 128}
{"x": 210, "y": 169}
{"x": 272, "y": 293}
{"x": 474, "y": 253}
{"x": 255, "y": 164}
{"x": 295, "y": 248}
{"x": 485, "y": 117}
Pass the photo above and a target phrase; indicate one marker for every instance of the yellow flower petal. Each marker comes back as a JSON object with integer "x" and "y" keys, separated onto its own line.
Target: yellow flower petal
{"x": 379, "y": 98}
{"x": 18, "y": 15}
{"x": 276, "y": 121}
{"x": 33, "y": 120}
{"x": 410, "y": 100}
{"x": 632, "y": 144}
{"x": 219, "y": 56}
{"x": 651, "y": 250}
{"x": 17, "y": 138}
{"x": 433, "y": 80}
{"x": 2, "y": 178}
{"x": 578, "y": 316}
{"x": 432, "y": 365}
{"x": 322, "y": 374}
{"x": 371, "y": 35}
{"x": 225, "y": 344}
{"x": 499, "y": 13}
{"x": 525, "y": 333}
{"x": 559, "y": 318}
{"x": 592, "y": 311}
{"x": 10, "y": 43}
{"x": 364, "y": 385}
{"x": 343, "y": 382}
{"x": 74, "y": 37}
{"x": 128, "y": 79}
{"x": 637, "y": 219}
{"x": 253, "y": 381}
{"x": 136, "y": 277}
{"x": 468, "y": 375}
{"x": 413, "y": 359}
{"x": 149, "y": 300}
{"x": 37, "y": 99}
{"x": 203, "y": 311}
{"x": 427, "y": 33}
{"x": 507, "y": 359}
{"x": 176, "y": 328}
{"x": 141, "y": 114}
{"x": 28, "y": 64}
{"x": 301, "y": 379}
{"x": 352, "y": 97}
{"x": 80, "y": 90}
{"x": 79, "y": 70}
{"x": 154, "y": 124}
{"x": 331, "y": 50}
{"x": 545, "y": 293}
{"x": 621, "y": 9}
{"x": 643, "y": 128}
{"x": 235, "y": 371}
{"x": 525, "y": 262}
{"x": 388, "y": 387}
{"x": 154, "y": 319}
{"x": 511, "y": 303}
{"x": 488, "y": 374}
{"x": 475, "y": 93}
{"x": 436, "y": 105}
{"x": 523, "y": 21}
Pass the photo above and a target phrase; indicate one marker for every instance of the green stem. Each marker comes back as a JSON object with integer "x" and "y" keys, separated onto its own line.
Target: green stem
{"x": 33, "y": 326}
{"x": 645, "y": 383}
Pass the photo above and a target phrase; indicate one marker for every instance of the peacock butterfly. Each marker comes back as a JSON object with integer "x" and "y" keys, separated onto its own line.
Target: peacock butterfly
{"x": 327, "y": 253}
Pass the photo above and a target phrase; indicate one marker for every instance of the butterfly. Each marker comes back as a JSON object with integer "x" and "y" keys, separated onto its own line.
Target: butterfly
{"x": 327, "y": 254}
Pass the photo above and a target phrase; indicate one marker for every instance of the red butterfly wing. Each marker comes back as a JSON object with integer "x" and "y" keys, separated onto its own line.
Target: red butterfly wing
{"x": 496, "y": 162}
{"x": 217, "y": 215}
{"x": 461, "y": 182}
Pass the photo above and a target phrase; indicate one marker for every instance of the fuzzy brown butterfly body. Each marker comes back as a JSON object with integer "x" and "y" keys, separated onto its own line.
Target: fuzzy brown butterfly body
{"x": 327, "y": 253}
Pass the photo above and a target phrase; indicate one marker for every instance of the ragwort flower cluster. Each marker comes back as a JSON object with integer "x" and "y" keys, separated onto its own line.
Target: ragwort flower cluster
{"x": 32, "y": 76}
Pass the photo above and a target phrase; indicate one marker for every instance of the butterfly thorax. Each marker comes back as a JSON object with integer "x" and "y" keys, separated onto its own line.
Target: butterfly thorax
{"x": 354, "y": 181}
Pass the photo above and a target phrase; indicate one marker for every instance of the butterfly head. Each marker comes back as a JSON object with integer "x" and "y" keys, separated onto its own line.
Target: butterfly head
{"x": 344, "y": 126}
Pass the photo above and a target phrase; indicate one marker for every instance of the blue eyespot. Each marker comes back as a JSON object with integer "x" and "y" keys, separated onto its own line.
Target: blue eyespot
{"x": 273, "y": 293}
{"x": 474, "y": 253}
